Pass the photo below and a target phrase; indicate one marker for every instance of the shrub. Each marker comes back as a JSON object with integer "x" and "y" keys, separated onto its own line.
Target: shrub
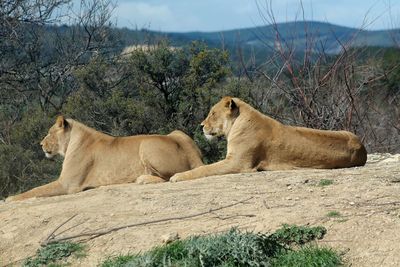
{"x": 235, "y": 248}
{"x": 308, "y": 256}
{"x": 53, "y": 253}
{"x": 299, "y": 235}
{"x": 229, "y": 249}
{"x": 22, "y": 161}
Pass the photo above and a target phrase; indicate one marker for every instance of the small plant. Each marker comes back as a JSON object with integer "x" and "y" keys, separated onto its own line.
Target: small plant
{"x": 333, "y": 214}
{"x": 308, "y": 256}
{"x": 325, "y": 182}
{"x": 299, "y": 235}
{"x": 235, "y": 248}
{"x": 229, "y": 249}
{"x": 52, "y": 253}
{"x": 120, "y": 260}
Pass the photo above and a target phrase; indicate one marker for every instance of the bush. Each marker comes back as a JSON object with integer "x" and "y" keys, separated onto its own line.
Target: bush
{"x": 114, "y": 114}
{"x": 53, "y": 253}
{"x": 22, "y": 161}
{"x": 308, "y": 256}
{"x": 391, "y": 67}
{"x": 299, "y": 235}
{"x": 230, "y": 249}
{"x": 235, "y": 248}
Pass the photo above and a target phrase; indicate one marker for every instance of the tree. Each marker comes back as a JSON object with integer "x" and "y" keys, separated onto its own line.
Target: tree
{"x": 176, "y": 80}
{"x": 37, "y": 63}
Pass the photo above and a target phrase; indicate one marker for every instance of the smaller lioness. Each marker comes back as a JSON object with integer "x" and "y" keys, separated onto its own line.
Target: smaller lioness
{"x": 93, "y": 159}
{"x": 257, "y": 142}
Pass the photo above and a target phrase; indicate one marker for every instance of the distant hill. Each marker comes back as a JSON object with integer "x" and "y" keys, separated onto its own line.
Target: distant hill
{"x": 325, "y": 36}
{"x": 256, "y": 42}
{"x": 295, "y": 33}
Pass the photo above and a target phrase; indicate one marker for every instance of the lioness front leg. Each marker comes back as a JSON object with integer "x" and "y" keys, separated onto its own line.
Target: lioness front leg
{"x": 218, "y": 168}
{"x": 47, "y": 190}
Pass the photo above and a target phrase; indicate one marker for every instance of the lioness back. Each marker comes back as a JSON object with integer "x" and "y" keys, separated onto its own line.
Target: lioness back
{"x": 305, "y": 147}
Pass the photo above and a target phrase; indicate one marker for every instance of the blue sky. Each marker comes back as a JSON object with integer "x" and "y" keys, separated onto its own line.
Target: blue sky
{"x": 217, "y": 15}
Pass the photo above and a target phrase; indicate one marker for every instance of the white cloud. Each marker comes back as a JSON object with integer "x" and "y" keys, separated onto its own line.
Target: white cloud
{"x": 142, "y": 14}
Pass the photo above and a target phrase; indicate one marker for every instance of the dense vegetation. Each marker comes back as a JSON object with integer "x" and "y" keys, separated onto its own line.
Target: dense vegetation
{"x": 81, "y": 72}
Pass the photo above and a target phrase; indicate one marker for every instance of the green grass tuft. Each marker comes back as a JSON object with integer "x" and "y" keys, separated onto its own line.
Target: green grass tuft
{"x": 309, "y": 256}
{"x": 325, "y": 182}
{"x": 52, "y": 253}
{"x": 121, "y": 260}
{"x": 235, "y": 248}
{"x": 333, "y": 214}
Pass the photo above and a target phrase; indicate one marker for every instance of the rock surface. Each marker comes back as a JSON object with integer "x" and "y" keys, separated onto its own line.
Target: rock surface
{"x": 367, "y": 199}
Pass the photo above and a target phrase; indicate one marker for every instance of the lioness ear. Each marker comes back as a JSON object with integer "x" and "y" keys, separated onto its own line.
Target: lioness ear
{"x": 231, "y": 104}
{"x": 61, "y": 122}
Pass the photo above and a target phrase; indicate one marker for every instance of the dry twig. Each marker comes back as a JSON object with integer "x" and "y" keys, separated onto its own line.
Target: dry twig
{"x": 53, "y": 238}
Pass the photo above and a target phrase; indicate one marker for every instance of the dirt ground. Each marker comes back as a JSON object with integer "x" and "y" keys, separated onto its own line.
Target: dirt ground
{"x": 367, "y": 230}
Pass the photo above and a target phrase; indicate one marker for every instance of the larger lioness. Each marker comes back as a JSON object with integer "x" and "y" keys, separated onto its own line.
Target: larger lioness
{"x": 257, "y": 142}
{"x": 94, "y": 159}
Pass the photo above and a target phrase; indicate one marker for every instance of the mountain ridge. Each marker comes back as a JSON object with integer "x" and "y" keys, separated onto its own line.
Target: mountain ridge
{"x": 297, "y": 33}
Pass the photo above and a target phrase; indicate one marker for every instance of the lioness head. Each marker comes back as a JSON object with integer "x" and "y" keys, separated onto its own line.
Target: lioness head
{"x": 220, "y": 118}
{"x": 57, "y": 139}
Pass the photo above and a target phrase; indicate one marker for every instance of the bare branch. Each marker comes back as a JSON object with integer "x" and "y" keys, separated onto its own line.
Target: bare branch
{"x": 52, "y": 238}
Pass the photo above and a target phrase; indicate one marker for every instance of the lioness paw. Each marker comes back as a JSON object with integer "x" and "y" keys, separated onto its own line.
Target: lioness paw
{"x": 174, "y": 179}
{"x": 177, "y": 178}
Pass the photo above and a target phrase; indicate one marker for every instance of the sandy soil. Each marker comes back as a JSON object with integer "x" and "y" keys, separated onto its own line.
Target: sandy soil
{"x": 367, "y": 198}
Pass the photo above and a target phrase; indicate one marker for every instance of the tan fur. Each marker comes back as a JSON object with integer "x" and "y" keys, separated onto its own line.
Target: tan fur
{"x": 93, "y": 159}
{"x": 257, "y": 142}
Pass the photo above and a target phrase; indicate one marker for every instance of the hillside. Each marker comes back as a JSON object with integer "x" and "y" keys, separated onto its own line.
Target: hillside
{"x": 257, "y": 42}
{"x": 365, "y": 199}
{"x": 260, "y": 42}
{"x": 296, "y": 34}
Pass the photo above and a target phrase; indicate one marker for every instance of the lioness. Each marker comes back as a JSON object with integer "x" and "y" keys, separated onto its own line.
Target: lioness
{"x": 93, "y": 159}
{"x": 257, "y": 142}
